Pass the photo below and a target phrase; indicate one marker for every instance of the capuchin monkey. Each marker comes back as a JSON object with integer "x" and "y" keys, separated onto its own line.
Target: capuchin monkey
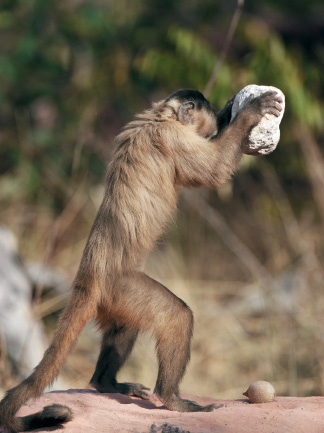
{"x": 180, "y": 141}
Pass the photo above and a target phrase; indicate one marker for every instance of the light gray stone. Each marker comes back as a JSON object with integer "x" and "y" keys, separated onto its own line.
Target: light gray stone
{"x": 264, "y": 137}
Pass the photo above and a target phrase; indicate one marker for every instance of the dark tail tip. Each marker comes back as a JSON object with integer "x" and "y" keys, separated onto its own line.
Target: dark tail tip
{"x": 50, "y": 416}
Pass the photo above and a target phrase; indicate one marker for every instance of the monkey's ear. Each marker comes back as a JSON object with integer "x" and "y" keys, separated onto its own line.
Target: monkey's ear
{"x": 186, "y": 112}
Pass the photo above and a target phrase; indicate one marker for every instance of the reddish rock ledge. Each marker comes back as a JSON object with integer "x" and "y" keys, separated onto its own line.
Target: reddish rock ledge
{"x": 110, "y": 413}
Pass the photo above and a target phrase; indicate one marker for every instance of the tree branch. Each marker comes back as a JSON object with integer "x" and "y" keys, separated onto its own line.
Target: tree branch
{"x": 228, "y": 40}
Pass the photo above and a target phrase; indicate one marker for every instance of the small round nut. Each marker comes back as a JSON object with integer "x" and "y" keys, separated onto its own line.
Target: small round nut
{"x": 260, "y": 392}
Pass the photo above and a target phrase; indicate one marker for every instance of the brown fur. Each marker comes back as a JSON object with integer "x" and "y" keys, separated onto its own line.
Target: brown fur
{"x": 178, "y": 142}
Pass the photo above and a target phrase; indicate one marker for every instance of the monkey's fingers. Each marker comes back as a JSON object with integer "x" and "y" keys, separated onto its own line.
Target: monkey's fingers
{"x": 271, "y": 93}
{"x": 279, "y": 99}
{"x": 272, "y": 103}
{"x": 273, "y": 96}
{"x": 275, "y": 109}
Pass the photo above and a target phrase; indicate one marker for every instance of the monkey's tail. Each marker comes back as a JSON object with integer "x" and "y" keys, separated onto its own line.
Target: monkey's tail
{"x": 73, "y": 319}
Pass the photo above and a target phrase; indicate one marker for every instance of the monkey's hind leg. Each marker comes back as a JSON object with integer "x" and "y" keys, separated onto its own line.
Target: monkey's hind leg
{"x": 116, "y": 346}
{"x": 173, "y": 348}
{"x": 154, "y": 308}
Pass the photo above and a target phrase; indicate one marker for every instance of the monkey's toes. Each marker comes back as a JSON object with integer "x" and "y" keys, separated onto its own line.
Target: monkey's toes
{"x": 135, "y": 389}
{"x": 208, "y": 408}
{"x": 211, "y": 407}
{"x": 179, "y": 404}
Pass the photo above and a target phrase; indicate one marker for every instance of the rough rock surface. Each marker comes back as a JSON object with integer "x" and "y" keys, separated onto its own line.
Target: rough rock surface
{"x": 112, "y": 413}
{"x": 265, "y": 136}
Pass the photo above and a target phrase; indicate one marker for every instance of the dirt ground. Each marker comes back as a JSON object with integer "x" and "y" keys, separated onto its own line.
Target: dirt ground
{"x": 106, "y": 413}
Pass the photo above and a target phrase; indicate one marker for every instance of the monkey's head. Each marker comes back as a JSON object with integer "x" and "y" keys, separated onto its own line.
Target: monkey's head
{"x": 192, "y": 109}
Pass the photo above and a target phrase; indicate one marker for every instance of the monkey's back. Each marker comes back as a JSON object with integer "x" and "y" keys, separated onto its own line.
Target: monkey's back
{"x": 140, "y": 200}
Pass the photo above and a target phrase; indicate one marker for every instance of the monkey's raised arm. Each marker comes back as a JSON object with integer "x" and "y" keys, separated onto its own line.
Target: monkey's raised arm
{"x": 207, "y": 147}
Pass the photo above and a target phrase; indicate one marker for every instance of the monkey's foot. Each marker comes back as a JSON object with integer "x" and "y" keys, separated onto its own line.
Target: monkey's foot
{"x": 179, "y": 404}
{"x": 135, "y": 389}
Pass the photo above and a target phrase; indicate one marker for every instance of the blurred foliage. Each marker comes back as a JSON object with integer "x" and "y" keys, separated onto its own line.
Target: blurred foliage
{"x": 72, "y": 72}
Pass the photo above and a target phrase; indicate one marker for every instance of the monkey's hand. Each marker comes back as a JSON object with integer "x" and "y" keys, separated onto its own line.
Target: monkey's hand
{"x": 266, "y": 103}
{"x": 263, "y": 108}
